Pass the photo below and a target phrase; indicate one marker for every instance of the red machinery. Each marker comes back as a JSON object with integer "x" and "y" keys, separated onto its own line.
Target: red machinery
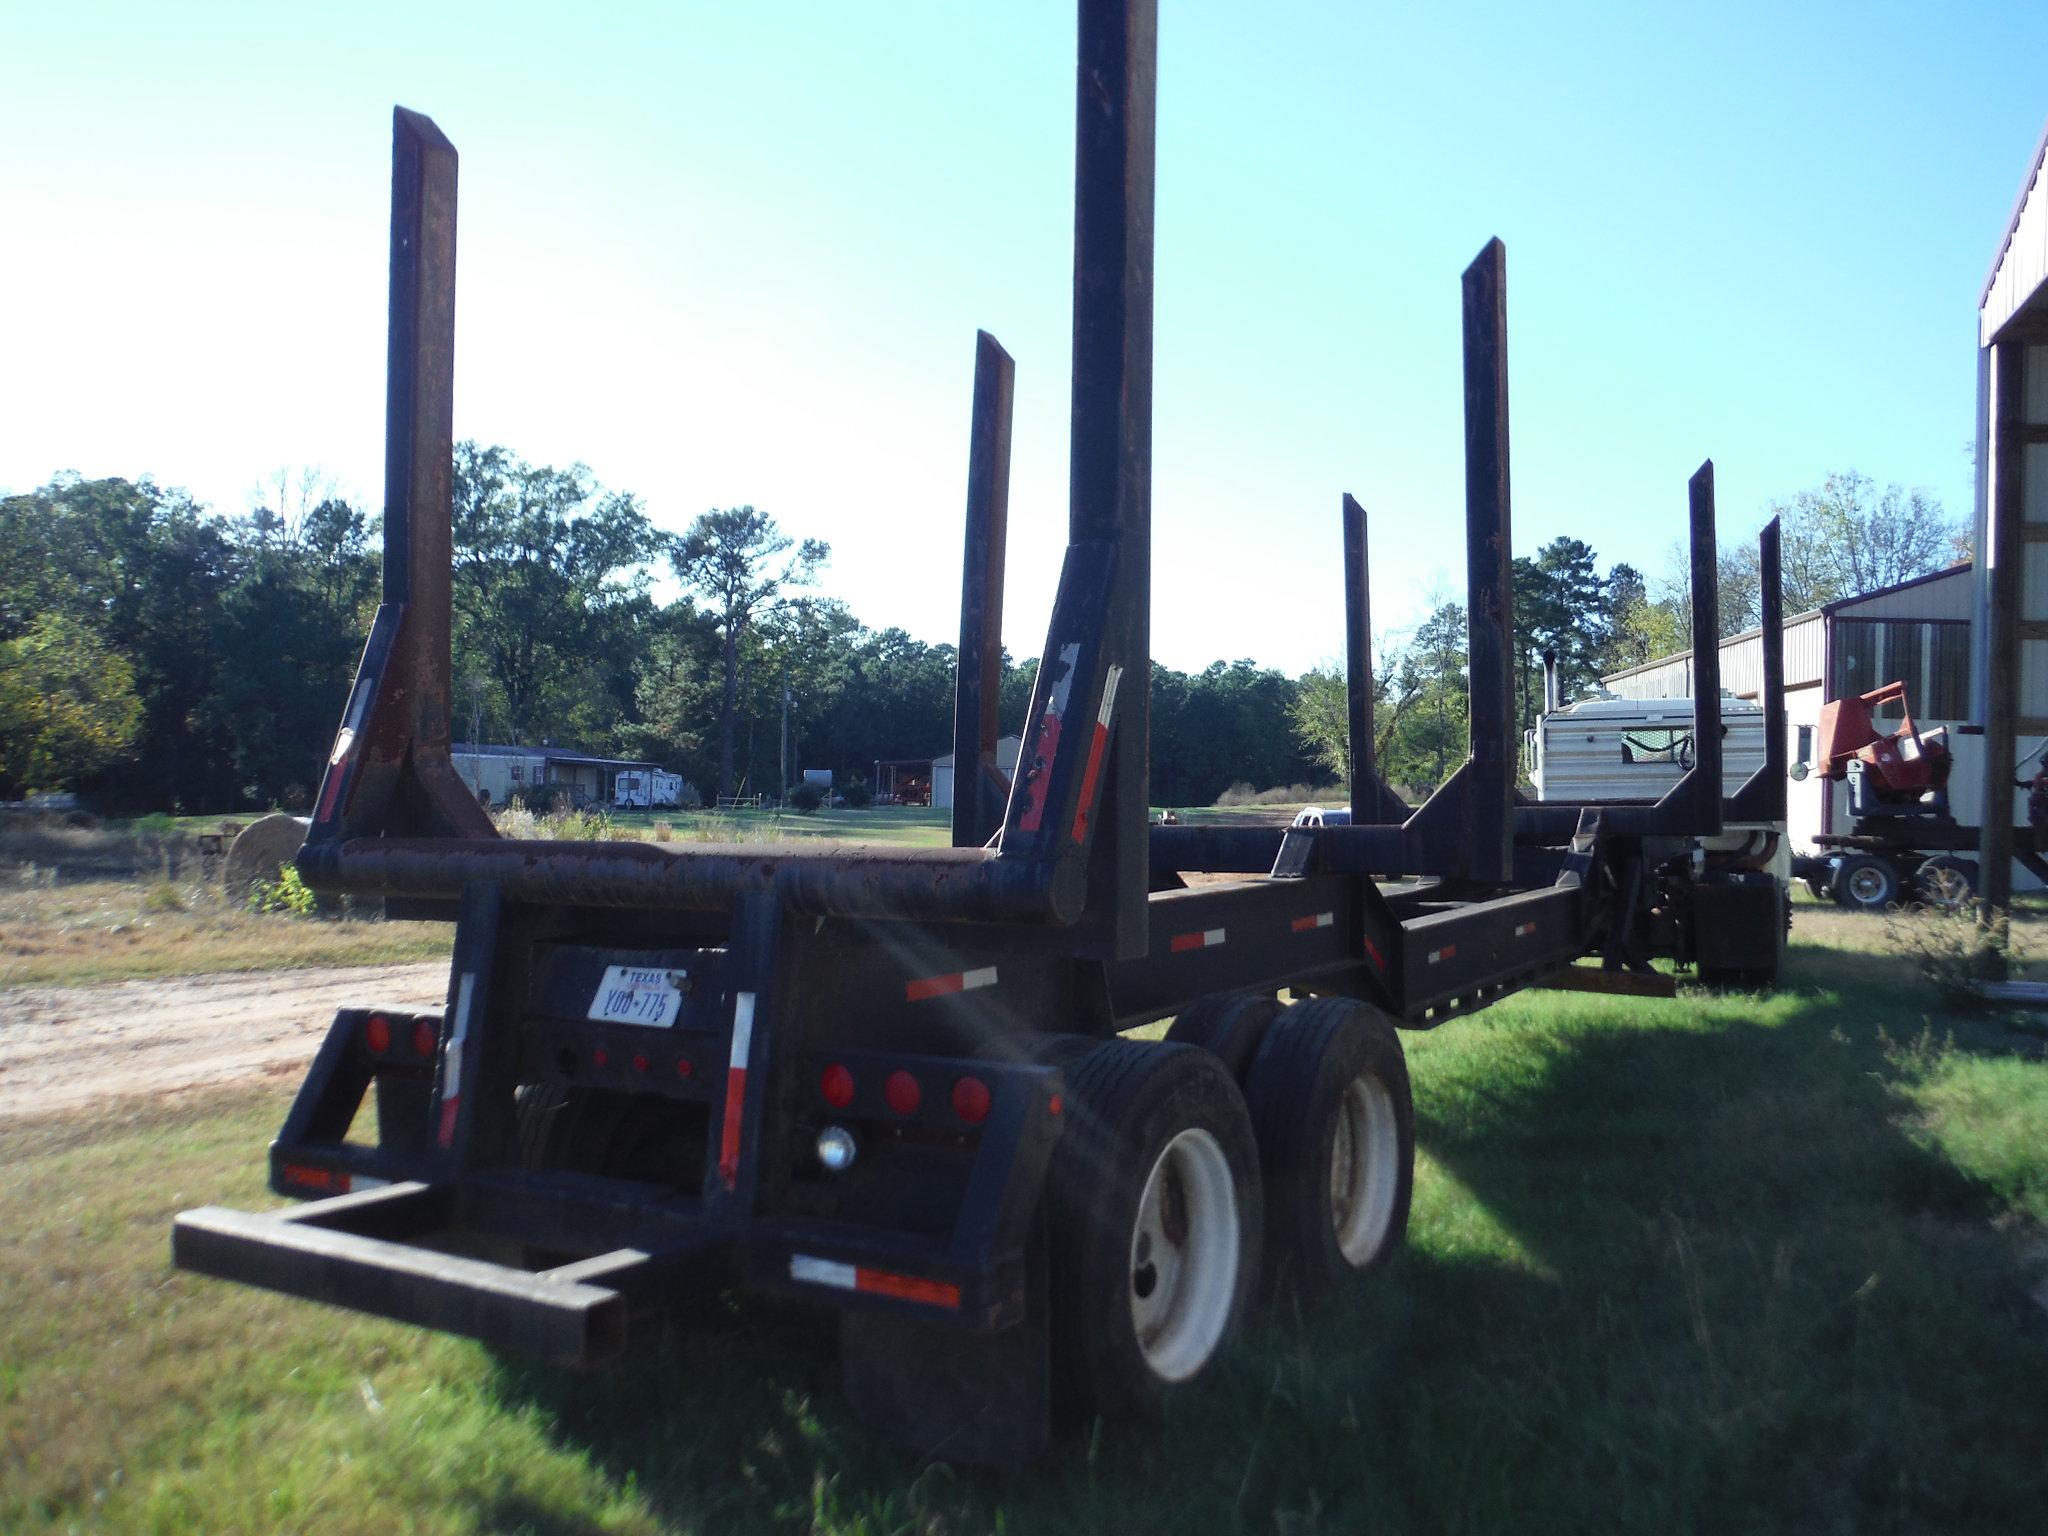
{"x": 1898, "y": 767}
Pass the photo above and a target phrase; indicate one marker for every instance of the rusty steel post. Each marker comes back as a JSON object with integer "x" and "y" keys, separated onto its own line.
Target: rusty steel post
{"x": 1371, "y": 802}
{"x": 978, "y": 787}
{"x": 1706, "y": 654}
{"x": 1489, "y": 577}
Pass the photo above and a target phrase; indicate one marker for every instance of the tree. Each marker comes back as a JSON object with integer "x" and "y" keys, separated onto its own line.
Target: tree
{"x": 1846, "y": 536}
{"x": 67, "y": 705}
{"x": 550, "y": 584}
{"x": 736, "y": 558}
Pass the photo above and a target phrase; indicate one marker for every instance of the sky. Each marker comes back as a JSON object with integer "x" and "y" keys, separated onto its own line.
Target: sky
{"x": 731, "y": 253}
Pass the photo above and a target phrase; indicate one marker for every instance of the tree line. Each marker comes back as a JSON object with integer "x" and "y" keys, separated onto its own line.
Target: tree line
{"x": 157, "y": 655}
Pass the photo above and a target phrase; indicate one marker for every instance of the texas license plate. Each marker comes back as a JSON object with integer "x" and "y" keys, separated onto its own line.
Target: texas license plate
{"x": 632, "y": 994}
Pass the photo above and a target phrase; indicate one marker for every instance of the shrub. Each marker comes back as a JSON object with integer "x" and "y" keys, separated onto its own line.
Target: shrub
{"x": 287, "y": 893}
{"x": 858, "y": 794}
{"x": 164, "y": 896}
{"x": 664, "y": 831}
{"x": 806, "y": 798}
{"x": 1952, "y": 950}
{"x": 1242, "y": 794}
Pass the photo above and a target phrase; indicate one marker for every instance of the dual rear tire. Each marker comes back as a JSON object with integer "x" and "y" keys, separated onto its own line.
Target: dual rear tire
{"x": 1174, "y": 1192}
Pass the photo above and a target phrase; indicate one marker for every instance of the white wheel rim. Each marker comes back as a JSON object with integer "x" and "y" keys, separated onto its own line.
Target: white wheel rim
{"x": 1365, "y": 1169}
{"x": 1184, "y": 1253}
{"x": 1867, "y": 886}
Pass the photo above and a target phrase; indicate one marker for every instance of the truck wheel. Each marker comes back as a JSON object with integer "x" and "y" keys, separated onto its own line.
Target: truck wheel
{"x": 1153, "y": 1197}
{"x": 1947, "y": 882}
{"x": 1866, "y": 883}
{"x": 1818, "y": 888}
{"x": 1229, "y": 1026}
{"x": 1329, "y": 1099}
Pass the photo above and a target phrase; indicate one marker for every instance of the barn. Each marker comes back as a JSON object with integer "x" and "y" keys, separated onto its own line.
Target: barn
{"x": 1007, "y": 750}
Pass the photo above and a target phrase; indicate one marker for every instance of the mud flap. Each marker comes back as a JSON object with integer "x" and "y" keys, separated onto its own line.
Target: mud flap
{"x": 984, "y": 1399}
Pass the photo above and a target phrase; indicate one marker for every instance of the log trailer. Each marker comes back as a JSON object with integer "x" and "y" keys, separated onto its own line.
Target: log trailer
{"x": 898, "y": 1082}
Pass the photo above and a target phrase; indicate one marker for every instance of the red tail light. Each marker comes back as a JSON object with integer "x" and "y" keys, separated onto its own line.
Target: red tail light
{"x": 640, "y": 1061}
{"x": 425, "y": 1036}
{"x": 901, "y": 1093}
{"x": 377, "y": 1034}
{"x": 835, "y": 1086}
{"x": 971, "y": 1100}
{"x": 685, "y": 1067}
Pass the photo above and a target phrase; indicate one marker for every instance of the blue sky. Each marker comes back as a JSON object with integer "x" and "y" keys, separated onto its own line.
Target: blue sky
{"x": 728, "y": 253}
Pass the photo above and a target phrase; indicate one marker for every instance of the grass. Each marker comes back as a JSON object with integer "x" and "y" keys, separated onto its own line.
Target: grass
{"x": 1724, "y": 1263}
{"x": 59, "y": 934}
{"x": 896, "y": 826}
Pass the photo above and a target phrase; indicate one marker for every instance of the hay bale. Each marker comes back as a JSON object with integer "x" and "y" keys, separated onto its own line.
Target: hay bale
{"x": 258, "y": 850}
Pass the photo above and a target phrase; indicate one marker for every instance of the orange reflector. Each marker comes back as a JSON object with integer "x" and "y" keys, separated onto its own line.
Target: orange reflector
{"x": 933, "y": 1293}
{"x": 325, "y": 1180}
{"x": 425, "y": 1036}
{"x": 377, "y": 1034}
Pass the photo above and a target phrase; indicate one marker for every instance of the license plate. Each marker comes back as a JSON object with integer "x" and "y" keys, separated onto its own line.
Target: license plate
{"x": 632, "y": 994}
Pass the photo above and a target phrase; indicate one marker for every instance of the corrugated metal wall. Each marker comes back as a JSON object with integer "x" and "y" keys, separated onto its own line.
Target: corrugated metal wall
{"x": 1947, "y": 596}
{"x": 2023, "y": 263}
{"x": 1742, "y": 664}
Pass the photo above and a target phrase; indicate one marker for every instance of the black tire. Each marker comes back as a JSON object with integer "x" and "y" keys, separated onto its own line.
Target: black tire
{"x": 1330, "y": 1069}
{"x": 1947, "y": 881}
{"x": 1229, "y": 1026}
{"x": 1819, "y": 889}
{"x": 1137, "y": 1109}
{"x": 1865, "y": 883}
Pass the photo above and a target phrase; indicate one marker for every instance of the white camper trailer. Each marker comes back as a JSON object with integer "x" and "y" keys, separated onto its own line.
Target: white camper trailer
{"x": 645, "y": 789}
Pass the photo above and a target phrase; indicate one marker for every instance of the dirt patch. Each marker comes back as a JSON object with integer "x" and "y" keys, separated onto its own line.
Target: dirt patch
{"x": 62, "y": 1048}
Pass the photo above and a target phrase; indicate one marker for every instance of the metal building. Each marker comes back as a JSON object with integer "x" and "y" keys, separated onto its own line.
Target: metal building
{"x": 1917, "y": 632}
{"x": 2011, "y": 657}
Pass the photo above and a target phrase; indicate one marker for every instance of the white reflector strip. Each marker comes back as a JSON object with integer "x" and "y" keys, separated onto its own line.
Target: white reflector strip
{"x": 802, "y": 1266}
{"x": 742, "y": 1030}
{"x": 946, "y": 986}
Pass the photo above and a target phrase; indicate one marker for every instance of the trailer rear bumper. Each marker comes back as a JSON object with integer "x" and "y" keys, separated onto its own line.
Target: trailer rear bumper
{"x": 561, "y": 1314}
{"x": 384, "y": 1251}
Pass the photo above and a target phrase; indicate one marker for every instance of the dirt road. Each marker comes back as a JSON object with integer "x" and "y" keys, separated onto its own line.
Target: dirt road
{"x": 63, "y": 1048}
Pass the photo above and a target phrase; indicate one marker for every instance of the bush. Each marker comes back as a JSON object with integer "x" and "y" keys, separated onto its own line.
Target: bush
{"x": 664, "y": 831}
{"x": 858, "y": 794}
{"x": 806, "y": 797}
{"x": 164, "y": 896}
{"x": 1242, "y": 794}
{"x": 287, "y": 893}
{"x": 1952, "y": 950}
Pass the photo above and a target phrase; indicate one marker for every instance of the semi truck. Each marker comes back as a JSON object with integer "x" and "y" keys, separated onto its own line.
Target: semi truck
{"x": 903, "y": 1083}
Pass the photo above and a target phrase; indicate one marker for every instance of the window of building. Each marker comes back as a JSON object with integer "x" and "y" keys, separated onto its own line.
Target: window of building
{"x": 1931, "y": 659}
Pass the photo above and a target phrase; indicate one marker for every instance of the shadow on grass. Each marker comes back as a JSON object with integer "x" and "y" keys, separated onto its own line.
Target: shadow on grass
{"x": 1674, "y": 1267}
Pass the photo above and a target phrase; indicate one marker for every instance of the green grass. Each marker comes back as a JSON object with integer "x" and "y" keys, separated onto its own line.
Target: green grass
{"x": 902, "y": 826}
{"x": 1724, "y": 1263}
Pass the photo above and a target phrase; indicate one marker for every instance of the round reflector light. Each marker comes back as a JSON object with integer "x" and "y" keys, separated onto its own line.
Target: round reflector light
{"x": 835, "y": 1086}
{"x": 425, "y": 1036}
{"x": 971, "y": 1100}
{"x": 837, "y": 1149}
{"x": 685, "y": 1067}
{"x": 377, "y": 1034}
{"x": 901, "y": 1092}
{"x": 640, "y": 1061}
{"x": 599, "y": 1058}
